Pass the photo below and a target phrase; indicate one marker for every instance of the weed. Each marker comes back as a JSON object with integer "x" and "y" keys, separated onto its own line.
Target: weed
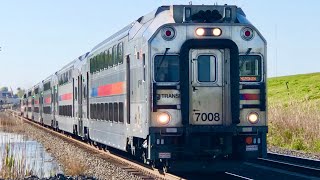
{"x": 74, "y": 167}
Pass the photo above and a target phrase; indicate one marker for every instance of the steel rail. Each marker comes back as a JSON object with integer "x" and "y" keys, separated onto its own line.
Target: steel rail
{"x": 294, "y": 160}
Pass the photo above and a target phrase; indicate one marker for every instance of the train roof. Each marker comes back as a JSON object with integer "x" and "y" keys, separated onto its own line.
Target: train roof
{"x": 146, "y": 25}
{"x": 72, "y": 63}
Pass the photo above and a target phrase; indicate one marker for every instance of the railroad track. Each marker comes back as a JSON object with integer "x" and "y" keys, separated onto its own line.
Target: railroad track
{"x": 290, "y": 165}
{"x": 133, "y": 167}
{"x": 294, "y": 160}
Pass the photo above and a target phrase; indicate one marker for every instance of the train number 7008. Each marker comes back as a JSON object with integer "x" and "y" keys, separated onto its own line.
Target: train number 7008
{"x": 208, "y": 116}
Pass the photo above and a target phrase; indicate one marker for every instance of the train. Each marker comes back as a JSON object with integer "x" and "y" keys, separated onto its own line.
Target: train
{"x": 181, "y": 87}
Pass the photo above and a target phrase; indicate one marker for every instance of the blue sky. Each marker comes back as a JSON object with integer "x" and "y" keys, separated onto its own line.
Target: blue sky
{"x": 38, "y": 37}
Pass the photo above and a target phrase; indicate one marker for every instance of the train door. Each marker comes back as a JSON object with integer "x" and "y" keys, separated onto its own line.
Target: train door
{"x": 206, "y": 91}
{"x": 128, "y": 88}
{"x": 80, "y": 122}
{"x": 54, "y": 106}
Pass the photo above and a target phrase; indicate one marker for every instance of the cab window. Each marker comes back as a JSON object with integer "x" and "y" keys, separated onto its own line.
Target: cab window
{"x": 206, "y": 68}
{"x": 166, "y": 68}
{"x": 250, "y": 68}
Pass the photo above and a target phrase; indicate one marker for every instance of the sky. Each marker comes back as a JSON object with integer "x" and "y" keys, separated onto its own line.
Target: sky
{"x": 39, "y": 37}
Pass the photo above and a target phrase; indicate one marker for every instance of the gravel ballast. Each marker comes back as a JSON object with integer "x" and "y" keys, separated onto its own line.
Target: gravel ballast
{"x": 73, "y": 159}
{"x": 295, "y": 153}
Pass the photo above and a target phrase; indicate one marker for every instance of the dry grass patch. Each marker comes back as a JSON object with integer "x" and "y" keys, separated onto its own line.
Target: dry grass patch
{"x": 12, "y": 166}
{"x": 295, "y": 125}
{"x": 7, "y": 121}
{"x": 73, "y": 167}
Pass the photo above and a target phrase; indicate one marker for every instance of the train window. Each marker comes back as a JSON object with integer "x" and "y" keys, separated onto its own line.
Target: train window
{"x": 106, "y": 111}
{"x": 36, "y": 91}
{"x": 70, "y": 110}
{"x": 91, "y": 111}
{"x": 206, "y": 68}
{"x": 97, "y": 63}
{"x": 46, "y": 86}
{"x": 111, "y": 111}
{"x": 95, "y": 112}
{"x": 106, "y": 59}
{"x": 110, "y": 61}
{"x": 115, "y": 112}
{"x": 75, "y": 93}
{"x": 121, "y": 113}
{"x": 98, "y": 111}
{"x": 166, "y": 68}
{"x": 94, "y": 64}
{"x": 70, "y": 75}
{"x": 84, "y": 92}
{"x": 91, "y": 66}
{"x": 105, "y": 62}
{"x": 102, "y": 111}
{"x": 47, "y": 110}
{"x": 101, "y": 61}
{"x": 144, "y": 66}
{"x": 120, "y": 53}
{"x": 114, "y": 55}
{"x": 250, "y": 67}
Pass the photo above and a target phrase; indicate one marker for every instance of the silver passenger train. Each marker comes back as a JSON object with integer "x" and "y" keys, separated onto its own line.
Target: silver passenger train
{"x": 180, "y": 86}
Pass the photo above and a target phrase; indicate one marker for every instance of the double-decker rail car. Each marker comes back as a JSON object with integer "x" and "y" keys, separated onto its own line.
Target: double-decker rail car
{"x": 181, "y": 87}
{"x": 64, "y": 99}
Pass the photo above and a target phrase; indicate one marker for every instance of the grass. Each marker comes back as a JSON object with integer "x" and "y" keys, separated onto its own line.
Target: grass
{"x": 294, "y": 112}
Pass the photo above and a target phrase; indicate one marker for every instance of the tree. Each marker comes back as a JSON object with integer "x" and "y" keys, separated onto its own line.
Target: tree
{"x": 5, "y": 89}
{"x": 20, "y": 92}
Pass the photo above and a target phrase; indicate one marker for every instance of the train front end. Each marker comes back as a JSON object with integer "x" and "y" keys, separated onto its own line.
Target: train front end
{"x": 208, "y": 88}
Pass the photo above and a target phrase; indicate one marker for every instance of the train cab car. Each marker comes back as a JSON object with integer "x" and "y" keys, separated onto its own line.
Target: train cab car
{"x": 208, "y": 85}
{"x": 182, "y": 84}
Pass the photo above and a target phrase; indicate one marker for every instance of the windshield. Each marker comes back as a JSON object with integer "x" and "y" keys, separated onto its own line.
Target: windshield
{"x": 166, "y": 68}
{"x": 250, "y": 68}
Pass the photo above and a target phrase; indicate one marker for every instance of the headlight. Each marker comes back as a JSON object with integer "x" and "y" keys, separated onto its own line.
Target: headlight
{"x": 216, "y": 31}
{"x": 163, "y": 118}
{"x": 200, "y": 31}
{"x": 253, "y": 117}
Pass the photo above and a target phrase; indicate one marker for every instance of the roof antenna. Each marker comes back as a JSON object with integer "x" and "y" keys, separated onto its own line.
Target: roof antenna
{"x": 190, "y": 2}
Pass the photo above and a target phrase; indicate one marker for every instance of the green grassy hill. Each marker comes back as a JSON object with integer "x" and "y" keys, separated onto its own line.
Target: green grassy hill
{"x": 294, "y": 112}
{"x": 302, "y": 87}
